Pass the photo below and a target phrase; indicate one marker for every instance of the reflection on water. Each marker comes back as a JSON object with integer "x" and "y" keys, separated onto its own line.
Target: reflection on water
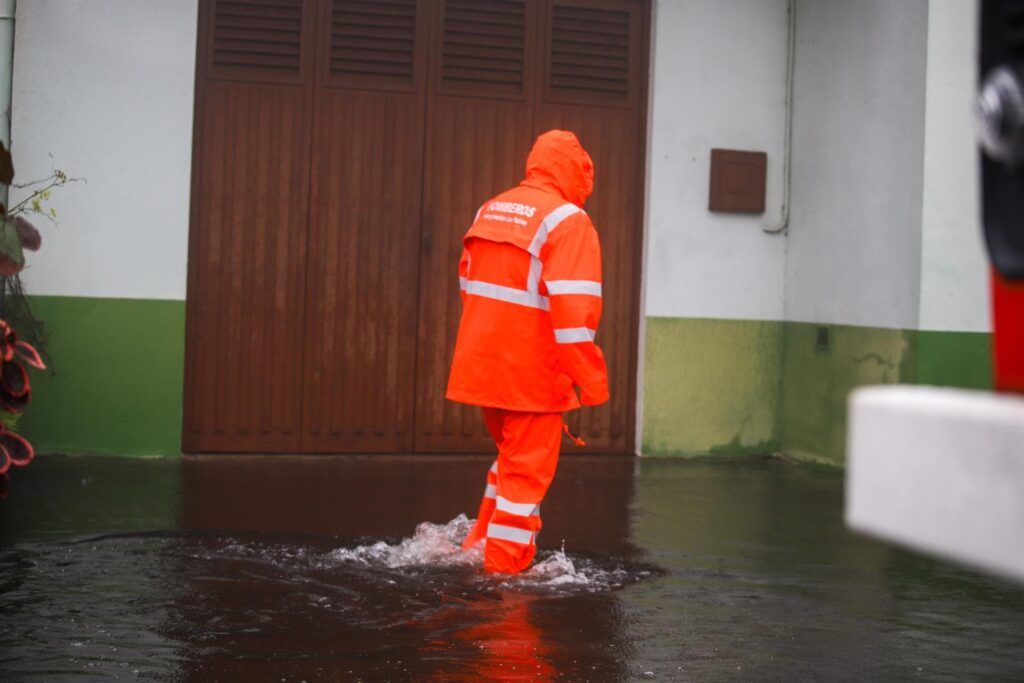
{"x": 325, "y": 569}
{"x": 765, "y": 580}
{"x": 206, "y": 607}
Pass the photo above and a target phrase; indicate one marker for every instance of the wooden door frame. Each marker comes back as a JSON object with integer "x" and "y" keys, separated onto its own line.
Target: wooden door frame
{"x": 633, "y": 428}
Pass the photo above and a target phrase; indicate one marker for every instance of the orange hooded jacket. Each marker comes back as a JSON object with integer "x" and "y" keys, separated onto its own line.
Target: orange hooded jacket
{"x": 530, "y": 276}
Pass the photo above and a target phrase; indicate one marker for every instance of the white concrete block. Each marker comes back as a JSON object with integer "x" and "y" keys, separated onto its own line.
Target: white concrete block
{"x": 940, "y": 471}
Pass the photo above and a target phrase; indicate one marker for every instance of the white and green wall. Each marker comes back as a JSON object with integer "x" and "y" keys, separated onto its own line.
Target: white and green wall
{"x": 104, "y": 91}
{"x": 880, "y": 276}
{"x": 882, "y": 245}
{"x": 714, "y": 283}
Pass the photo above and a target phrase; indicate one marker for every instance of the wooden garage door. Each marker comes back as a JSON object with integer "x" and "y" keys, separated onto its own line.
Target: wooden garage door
{"x": 341, "y": 149}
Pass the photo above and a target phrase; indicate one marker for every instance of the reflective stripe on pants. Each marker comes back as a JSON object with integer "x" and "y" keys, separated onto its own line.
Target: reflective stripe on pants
{"x": 528, "y": 445}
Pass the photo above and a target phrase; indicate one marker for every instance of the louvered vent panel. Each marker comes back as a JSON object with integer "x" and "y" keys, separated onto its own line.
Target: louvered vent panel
{"x": 373, "y": 42}
{"x": 258, "y": 40}
{"x": 589, "y": 55}
{"x": 483, "y": 49}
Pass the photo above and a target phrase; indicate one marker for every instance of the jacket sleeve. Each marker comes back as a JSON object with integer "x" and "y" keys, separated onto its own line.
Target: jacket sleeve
{"x": 463, "y": 273}
{"x": 571, "y": 274}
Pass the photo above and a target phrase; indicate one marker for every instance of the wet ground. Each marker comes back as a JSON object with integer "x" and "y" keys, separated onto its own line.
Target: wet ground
{"x": 271, "y": 569}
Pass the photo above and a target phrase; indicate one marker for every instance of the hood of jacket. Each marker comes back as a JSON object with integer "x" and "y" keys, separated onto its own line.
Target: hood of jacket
{"x": 558, "y": 163}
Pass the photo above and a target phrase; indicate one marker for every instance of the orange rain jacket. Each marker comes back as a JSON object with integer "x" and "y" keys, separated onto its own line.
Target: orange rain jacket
{"x": 530, "y": 275}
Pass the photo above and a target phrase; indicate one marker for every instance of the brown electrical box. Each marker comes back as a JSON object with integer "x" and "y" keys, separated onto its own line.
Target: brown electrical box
{"x": 737, "y": 181}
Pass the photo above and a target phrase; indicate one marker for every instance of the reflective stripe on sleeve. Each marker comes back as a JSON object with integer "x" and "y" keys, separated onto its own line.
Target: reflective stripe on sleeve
{"x": 491, "y": 491}
{"x": 573, "y": 287}
{"x": 462, "y": 283}
{"x": 509, "y": 533}
{"x": 573, "y": 335}
{"x": 521, "y": 509}
{"x": 548, "y": 225}
{"x": 533, "y": 279}
{"x": 510, "y": 295}
{"x": 494, "y": 467}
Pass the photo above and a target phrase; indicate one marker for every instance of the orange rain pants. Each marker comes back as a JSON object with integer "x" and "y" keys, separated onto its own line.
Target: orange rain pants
{"x": 509, "y": 517}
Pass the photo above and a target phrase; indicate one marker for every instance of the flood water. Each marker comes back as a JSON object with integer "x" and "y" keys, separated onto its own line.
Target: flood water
{"x": 347, "y": 568}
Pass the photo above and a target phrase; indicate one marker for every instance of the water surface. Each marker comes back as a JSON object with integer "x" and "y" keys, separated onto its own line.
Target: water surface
{"x": 306, "y": 568}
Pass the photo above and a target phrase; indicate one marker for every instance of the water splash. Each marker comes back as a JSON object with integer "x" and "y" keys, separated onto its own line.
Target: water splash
{"x": 440, "y": 545}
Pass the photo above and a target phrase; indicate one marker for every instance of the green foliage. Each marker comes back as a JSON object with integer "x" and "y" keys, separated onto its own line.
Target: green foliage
{"x": 10, "y": 246}
{"x": 17, "y": 234}
{"x": 42, "y": 190}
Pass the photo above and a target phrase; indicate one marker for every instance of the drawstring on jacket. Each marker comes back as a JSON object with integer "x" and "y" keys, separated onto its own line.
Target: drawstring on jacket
{"x": 575, "y": 439}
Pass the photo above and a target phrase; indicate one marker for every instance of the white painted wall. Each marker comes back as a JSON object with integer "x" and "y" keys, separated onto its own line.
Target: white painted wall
{"x": 954, "y": 266}
{"x": 719, "y": 74}
{"x": 104, "y": 90}
{"x": 858, "y": 153}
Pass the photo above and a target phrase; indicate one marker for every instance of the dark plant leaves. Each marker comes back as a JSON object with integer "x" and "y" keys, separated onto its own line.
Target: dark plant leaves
{"x": 28, "y": 353}
{"x": 18, "y": 448}
{"x": 27, "y": 233}
{"x": 6, "y": 165}
{"x": 8, "y": 268}
{"x": 14, "y": 378}
{"x": 14, "y": 404}
{"x": 10, "y": 249}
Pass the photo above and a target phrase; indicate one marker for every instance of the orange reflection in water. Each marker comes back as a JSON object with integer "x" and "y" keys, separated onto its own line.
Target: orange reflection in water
{"x": 500, "y": 643}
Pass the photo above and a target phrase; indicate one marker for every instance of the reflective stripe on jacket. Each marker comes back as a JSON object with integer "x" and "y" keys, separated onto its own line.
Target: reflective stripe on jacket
{"x": 530, "y": 276}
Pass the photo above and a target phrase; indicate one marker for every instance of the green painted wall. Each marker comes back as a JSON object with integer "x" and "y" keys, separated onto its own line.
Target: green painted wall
{"x": 728, "y": 387}
{"x": 954, "y": 359}
{"x": 739, "y": 386}
{"x": 711, "y": 386}
{"x": 817, "y": 380}
{"x": 115, "y": 385}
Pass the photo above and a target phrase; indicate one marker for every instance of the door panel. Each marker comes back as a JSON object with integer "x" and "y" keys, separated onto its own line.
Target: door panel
{"x": 248, "y": 229}
{"x": 363, "y": 271}
{"x": 478, "y": 134}
{"x": 364, "y": 229}
{"x": 475, "y": 149}
{"x": 593, "y": 86}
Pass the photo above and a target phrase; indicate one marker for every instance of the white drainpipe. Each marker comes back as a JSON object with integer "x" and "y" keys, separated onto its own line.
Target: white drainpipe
{"x": 7, "y": 11}
{"x": 782, "y": 226}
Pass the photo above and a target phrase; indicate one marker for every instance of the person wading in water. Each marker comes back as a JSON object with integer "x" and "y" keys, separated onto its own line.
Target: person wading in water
{"x": 530, "y": 276}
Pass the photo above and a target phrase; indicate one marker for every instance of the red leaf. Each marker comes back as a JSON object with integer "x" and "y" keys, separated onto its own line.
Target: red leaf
{"x": 5, "y": 461}
{"x": 9, "y": 267}
{"x": 14, "y": 404}
{"x": 29, "y": 354}
{"x": 14, "y": 378}
{"x": 17, "y": 448}
{"x": 27, "y": 233}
